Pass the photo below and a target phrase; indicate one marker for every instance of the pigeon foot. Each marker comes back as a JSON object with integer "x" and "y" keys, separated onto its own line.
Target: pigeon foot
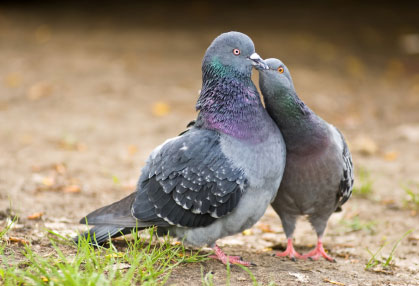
{"x": 290, "y": 251}
{"x": 220, "y": 255}
{"x": 318, "y": 252}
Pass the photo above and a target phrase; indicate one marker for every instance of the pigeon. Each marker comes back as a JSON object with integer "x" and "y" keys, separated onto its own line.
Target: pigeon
{"x": 219, "y": 176}
{"x": 318, "y": 177}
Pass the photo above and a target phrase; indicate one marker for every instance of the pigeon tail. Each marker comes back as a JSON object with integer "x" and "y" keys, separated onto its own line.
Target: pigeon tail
{"x": 98, "y": 235}
{"x": 116, "y": 214}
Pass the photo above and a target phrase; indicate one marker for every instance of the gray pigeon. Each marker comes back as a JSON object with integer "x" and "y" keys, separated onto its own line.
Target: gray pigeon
{"x": 218, "y": 177}
{"x": 318, "y": 177}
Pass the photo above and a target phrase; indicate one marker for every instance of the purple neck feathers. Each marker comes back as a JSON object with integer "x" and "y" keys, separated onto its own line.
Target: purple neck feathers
{"x": 232, "y": 105}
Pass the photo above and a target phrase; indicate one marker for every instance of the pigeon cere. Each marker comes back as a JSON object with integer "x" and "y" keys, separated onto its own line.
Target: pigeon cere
{"x": 209, "y": 143}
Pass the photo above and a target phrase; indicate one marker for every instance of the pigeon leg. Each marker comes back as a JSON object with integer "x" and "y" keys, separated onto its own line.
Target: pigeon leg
{"x": 318, "y": 252}
{"x": 290, "y": 251}
{"x": 220, "y": 255}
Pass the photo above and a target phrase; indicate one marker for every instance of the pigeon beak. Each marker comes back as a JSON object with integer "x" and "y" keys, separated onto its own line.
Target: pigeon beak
{"x": 258, "y": 62}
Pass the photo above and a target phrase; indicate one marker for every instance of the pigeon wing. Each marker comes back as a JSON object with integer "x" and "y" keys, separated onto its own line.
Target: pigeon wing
{"x": 347, "y": 180}
{"x": 189, "y": 182}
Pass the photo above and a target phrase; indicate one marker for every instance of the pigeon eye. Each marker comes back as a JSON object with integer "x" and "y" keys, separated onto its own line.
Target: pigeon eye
{"x": 236, "y": 52}
{"x": 280, "y": 69}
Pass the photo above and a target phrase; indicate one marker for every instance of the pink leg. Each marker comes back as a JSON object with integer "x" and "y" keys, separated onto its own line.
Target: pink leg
{"x": 318, "y": 252}
{"x": 220, "y": 255}
{"x": 290, "y": 251}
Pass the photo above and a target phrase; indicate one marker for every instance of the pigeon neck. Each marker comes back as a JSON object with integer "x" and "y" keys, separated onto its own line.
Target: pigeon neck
{"x": 302, "y": 129}
{"x": 230, "y": 103}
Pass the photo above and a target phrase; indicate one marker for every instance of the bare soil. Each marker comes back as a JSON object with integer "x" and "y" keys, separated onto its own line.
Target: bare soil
{"x": 86, "y": 94}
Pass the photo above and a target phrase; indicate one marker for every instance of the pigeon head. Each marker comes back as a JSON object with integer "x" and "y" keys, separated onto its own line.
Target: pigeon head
{"x": 231, "y": 54}
{"x": 276, "y": 80}
{"x": 288, "y": 111}
{"x": 229, "y": 101}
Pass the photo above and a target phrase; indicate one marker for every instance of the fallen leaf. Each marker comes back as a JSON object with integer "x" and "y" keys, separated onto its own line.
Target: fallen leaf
{"x": 72, "y": 189}
{"x": 387, "y": 202}
{"x": 267, "y": 249}
{"x": 132, "y": 149}
{"x": 160, "y": 109}
{"x": 333, "y": 282}
{"x": 13, "y": 80}
{"x": 247, "y": 232}
{"x": 60, "y": 168}
{"x": 18, "y": 240}
{"x": 265, "y": 227}
{"x": 391, "y": 155}
{"x": 39, "y": 90}
{"x": 48, "y": 181}
{"x": 35, "y": 216}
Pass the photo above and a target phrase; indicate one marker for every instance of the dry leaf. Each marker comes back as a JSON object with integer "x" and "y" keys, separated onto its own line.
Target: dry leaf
{"x": 132, "y": 149}
{"x": 18, "y": 240}
{"x": 265, "y": 227}
{"x": 60, "y": 168}
{"x": 160, "y": 109}
{"x": 39, "y": 90}
{"x": 391, "y": 155}
{"x": 48, "y": 181}
{"x": 333, "y": 282}
{"x": 247, "y": 232}
{"x": 72, "y": 189}
{"x": 13, "y": 80}
{"x": 35, "y": 216}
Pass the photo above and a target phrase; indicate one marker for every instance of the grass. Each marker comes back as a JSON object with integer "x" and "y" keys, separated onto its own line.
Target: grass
{"x": 356, "y": 224}
{"x": 208, "y": 278}
{"x": 412, "y": 200}
{"x": 384, "y": 262}
{"x": 363, "y": 183}
{"x": 140, "y": 263}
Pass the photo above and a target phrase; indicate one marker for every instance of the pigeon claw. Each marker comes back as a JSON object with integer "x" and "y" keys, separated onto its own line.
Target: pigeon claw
{"x": 290, "y": 252}
{"x": 220, "y": 255}
{"x": 318, "y": 252}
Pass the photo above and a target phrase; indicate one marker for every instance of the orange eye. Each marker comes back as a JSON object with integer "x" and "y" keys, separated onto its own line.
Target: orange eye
{"x": 236, "y": 52}
{"x": 280, "y": 69}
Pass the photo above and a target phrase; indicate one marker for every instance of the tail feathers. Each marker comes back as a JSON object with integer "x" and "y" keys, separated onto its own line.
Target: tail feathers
{"x": 117, "y": 214}
{"x": 101, "y": 234}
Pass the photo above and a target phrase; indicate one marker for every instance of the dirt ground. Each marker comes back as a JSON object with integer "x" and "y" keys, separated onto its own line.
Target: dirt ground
{"x": 86, "y": 94}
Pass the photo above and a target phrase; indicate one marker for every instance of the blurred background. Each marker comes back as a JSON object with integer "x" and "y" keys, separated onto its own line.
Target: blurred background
{"x": 87, "y": 90}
